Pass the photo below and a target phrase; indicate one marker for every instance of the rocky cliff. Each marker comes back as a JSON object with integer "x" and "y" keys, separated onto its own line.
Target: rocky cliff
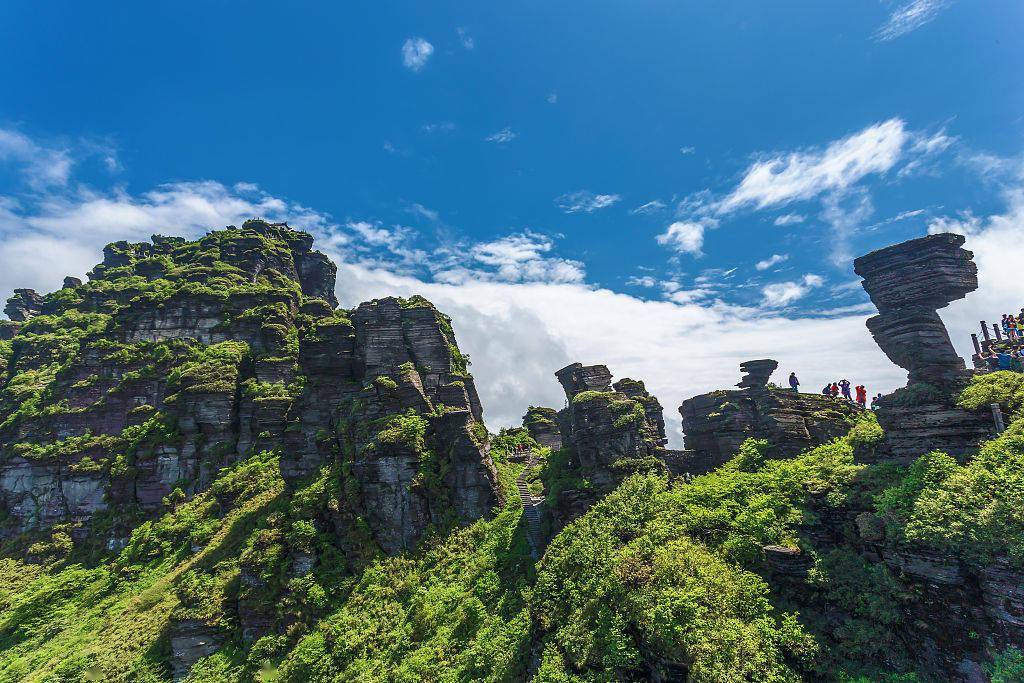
{"x": 715, "y": 424}
{"x": 542, "y": 424}
{"x": 126, "y": 394}
{"x": 608, "y": 432}
{"x": 909, "y": 282}
{"x": 208, "y": 472}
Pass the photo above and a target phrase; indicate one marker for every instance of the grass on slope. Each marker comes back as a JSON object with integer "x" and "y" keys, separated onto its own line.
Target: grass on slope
{"x": 110, "y": 622}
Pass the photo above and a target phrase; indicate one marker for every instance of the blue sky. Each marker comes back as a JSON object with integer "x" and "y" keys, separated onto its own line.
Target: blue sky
{"x": 699, "y": 164}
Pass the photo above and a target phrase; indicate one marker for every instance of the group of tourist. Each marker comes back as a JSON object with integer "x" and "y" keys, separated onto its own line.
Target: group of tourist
{"x": 1006, "y": 353}
{"x": 843, "y": 388}
{"x": 1013, "y": 326}
{"x": 1008, "y": 358}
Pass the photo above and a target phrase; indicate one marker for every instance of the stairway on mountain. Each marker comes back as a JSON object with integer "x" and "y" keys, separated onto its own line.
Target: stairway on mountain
{"x": 531, "y": 506}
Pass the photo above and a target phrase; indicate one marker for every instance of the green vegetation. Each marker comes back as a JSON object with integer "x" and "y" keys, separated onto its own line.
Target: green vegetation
{"x": 678, "y": 574}
{"x": 66, "y": 621}
{"x": 971, "y": 510}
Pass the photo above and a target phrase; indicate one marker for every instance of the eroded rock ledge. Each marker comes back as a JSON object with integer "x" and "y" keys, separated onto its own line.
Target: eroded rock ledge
{"x": 608, "y": 432}
{"x": 715, "y": 424}
{"x": 177, "y": 358}
{"x": 909, "y": 282}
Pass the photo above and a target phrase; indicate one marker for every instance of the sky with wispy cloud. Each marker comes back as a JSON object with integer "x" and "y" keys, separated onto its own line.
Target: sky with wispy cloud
{"x": 667, "y": 188}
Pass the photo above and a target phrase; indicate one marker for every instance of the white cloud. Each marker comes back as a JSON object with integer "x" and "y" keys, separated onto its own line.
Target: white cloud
{"x": 835, "y": 175}
{"x": 525, "y": 327}
{"x": 909, "y": 17}
{"x": 689, "y": 296}
{"x": 687, "y": 150}
{"x": 552, "y": 98}
{"x": 512, "y": 304}
{"x": 440, "y": 127}
{"x": 965, "y": 223}
{"x": 517, "y": 258}
{"x": 465, "y": 39}
{"x": 998, "y": 245}
{"x": 785, "y": 178}
{"x": 650, "y": 207}
{"x": 41, "y": 166}
{"x": 415, "y": 53}
{"x": 847, "y": 214}
{"x": 789, "y": 219}
{"x": 685, "y": 237}
{"x": 785, "y": 293}
{"x": 773, "y": 260}
{"x": 418, "y": 209}
{"x": 502, "y": 136}
{"x": 931, "y": 144}
{"x": 647, "y": 281}
{"x": 583, "y": 201}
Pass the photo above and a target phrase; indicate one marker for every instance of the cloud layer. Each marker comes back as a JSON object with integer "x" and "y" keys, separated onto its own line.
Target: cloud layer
{"x": 520, "y": 309}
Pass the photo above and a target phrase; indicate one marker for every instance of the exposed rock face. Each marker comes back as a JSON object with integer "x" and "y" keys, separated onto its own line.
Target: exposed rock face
{"x": 23, "y": 305}
{"x": 542, "y": 424}
{"x": 577, "y": 378}
{"x": 715, "y": 424}
{"x": 395, "y": 366}
{"x": 756, "y": 373}
{"x": 909, "y": 282}
{"x": 191, "y": 640}
{"x": 607, "y": 433}
{"x": 951, "y": 597}
{"x": 178, "y": 358}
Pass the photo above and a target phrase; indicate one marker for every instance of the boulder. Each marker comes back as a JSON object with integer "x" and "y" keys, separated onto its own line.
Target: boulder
{"x": 756, "y": 373}
{"x": 23, "y": 305}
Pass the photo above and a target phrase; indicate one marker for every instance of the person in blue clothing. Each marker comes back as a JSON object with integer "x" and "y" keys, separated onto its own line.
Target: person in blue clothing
{"x": 845, "y": 386}
{"x": 1005, "y": 360}
{"x": 794, "y": 383}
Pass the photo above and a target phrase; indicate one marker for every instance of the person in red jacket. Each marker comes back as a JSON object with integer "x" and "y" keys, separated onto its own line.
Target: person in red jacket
{"x": 862, "y": 396}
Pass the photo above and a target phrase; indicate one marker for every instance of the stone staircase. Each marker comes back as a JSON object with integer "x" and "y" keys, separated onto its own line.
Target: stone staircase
{"x": 531, "y": 507}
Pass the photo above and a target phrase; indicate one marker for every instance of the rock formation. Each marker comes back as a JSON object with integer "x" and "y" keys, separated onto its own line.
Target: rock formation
{"x": 908, "y": 283}
{"x": 542, "y": 424}
{"x": 715, "y": 424}
{"x": 608, "y": 433}
{"x": 178, "y": 358}
{"x": 756, "y": 373}
{"x": 393, "y": 364}
{"x": 23, "y": 305}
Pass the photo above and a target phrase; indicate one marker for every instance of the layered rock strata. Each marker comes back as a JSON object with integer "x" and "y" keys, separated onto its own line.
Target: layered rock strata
{"x": 387, "y": 396}
{"x": 542, "y": 424}
{"x": 608, "y": 433}
{"x": 130, "y": 391}
{"x": 715, "y": 424}
{"x": 908, "y": 283}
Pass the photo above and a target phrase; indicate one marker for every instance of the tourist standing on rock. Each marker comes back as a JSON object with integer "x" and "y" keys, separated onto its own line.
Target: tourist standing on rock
{"x": 875, "y": 400}
{"x": 862, "y": 396}
{"x": 794, "y": 383}
{"x": 845, "y": 386}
